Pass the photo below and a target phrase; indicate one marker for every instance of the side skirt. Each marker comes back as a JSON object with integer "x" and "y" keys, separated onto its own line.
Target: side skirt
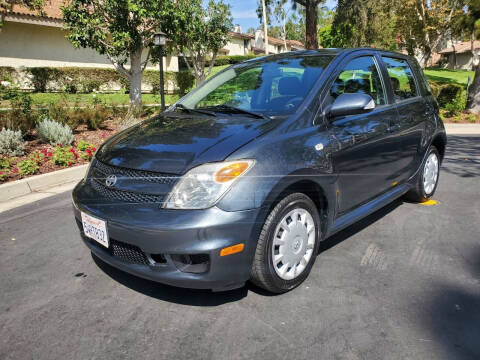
{"x": 348, "y": 219}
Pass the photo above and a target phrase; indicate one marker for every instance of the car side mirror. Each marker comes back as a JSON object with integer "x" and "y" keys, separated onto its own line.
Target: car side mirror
{"x": 351, "y": 104}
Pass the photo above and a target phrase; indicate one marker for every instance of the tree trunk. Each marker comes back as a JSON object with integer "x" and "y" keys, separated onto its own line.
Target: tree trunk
{"x": 265, "y": 29}
{"x": 136, "y": 79}
{"x": 473, "y": 102}
{"x": 311, "y": 41}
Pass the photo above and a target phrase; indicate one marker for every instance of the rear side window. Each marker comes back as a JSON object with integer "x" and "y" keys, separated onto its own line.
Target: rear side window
{"x": 401, "y": 78}
{"x": 360, "y": 76}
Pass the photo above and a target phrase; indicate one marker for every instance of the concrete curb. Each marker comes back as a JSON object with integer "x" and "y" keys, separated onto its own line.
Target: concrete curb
{"x": 36, "y": 183}
{"x": 462, "y": 129}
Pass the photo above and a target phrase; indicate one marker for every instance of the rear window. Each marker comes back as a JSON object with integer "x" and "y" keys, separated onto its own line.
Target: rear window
{"x": 401, "y": 78}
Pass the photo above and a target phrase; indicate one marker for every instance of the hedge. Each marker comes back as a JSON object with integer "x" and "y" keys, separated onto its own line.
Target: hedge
{"x": 220, "y": 60}
{"x": 86, "y": 80}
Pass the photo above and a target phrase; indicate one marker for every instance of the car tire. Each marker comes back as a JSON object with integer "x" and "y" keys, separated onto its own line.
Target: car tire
{"x": 423, "y": 188}
{"x": 298, "y": 246}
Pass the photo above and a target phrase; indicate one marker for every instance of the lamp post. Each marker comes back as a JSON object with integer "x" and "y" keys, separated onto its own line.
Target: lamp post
{"x": 160, "y": 40}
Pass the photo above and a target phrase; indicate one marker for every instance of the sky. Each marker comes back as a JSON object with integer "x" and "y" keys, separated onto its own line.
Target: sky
{"x": 244, "y": 12}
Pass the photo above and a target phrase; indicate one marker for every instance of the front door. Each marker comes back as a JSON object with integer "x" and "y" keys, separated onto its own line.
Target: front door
{"x": 363, "y": 159}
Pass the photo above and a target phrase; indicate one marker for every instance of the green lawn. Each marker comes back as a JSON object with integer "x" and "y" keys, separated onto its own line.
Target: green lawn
{"x": 449, "y": 76}
{"x": 217, "y": 69}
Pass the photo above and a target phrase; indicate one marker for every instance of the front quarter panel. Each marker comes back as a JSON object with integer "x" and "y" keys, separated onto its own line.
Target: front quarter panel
{"x": 284, "y": 157}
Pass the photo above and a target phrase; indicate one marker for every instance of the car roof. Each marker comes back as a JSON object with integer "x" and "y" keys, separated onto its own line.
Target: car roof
{"x": 329, "y": 51}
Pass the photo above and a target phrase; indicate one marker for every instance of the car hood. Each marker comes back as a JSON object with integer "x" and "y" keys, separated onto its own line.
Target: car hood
{"x": 174, "y": 143}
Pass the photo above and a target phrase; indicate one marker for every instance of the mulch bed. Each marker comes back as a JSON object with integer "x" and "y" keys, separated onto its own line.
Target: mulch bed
{"x": 95, "y": 137}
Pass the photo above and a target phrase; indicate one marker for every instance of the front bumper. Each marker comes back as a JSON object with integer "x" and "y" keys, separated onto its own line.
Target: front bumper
{"x": 171, "y": 234}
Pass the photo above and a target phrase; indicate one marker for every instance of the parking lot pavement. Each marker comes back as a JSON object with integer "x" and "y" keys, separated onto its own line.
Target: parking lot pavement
{"x": 402, "y": 284}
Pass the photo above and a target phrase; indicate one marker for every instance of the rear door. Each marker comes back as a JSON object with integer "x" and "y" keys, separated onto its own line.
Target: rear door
{"x": 408, "y": 128}
{"x": 363, "y": 158}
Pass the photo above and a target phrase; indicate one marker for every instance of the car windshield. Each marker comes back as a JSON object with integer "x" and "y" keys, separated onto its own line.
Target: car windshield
{"x": 271, "y": 86}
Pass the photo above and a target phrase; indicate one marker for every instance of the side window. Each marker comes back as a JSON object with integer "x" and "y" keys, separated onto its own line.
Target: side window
{"x": 360, "y": 76}
{"x": 401, "y": 78}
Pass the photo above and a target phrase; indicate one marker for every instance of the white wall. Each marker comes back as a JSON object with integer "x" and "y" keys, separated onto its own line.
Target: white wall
{"x": 236, "y": 47}
{"x": 29, "y": 45}
{"x": 464, "y": 61}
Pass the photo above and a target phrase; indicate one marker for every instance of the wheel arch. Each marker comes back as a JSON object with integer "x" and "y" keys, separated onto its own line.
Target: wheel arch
{"x": 440, "y": 142}
{"x": 315, "y": 191}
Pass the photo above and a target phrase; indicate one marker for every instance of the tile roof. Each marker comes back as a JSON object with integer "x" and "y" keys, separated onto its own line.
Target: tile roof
{"x": 52, "y": 9}
{"x": 461, "y": 47}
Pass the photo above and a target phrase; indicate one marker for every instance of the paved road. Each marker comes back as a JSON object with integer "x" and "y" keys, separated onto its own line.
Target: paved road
{"x": 404, "y": 284}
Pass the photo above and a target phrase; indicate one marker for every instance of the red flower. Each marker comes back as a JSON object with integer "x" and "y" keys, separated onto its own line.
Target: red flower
{"x": 69, "y": 163}
{"x": 44, "y": 151}
{"x": 15, "y": 170}
{"x": 61, "y": 145}
{"x": 94, "y": 149}
{"x": 103, "y": 135}
{"x": 1, "y": 172}
{"x": 49, "y": 154}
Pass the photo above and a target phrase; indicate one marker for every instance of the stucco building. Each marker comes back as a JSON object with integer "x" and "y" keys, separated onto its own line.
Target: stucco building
{"x": 459, "y": 56}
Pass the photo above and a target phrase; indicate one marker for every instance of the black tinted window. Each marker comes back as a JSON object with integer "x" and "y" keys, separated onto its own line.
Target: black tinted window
{"x": 401, "y": 78}
{"x": 360, "y": 76}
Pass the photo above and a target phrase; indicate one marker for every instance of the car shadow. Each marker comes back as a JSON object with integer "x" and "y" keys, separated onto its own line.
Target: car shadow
{"x": 192, "y": 297}
{"x": 462, "y": 156}
{"x": 453, "y": 312}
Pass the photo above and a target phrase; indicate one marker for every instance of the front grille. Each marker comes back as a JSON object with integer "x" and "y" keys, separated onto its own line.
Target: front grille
{"x": 101, "y": 171}
{"x": 148, "y": 176}
{"x": 128, "y": 253}
{"x": 127, "y": 196}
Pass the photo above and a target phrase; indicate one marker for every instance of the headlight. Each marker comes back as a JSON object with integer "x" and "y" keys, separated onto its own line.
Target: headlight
{"x": 203, "y": 186}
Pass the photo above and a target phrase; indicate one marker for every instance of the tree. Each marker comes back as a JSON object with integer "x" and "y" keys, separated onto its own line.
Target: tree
{"x": 197, "y": 32}
{"x": 265, "y": 27}
{"x": 364, "y": 23}
{"x": 311, "y": 20}
{"x": 281, "y": 14}
{"x": 423, "y": 24}
{"x": 469, "y": 23}
{"x": 121, "y": 30}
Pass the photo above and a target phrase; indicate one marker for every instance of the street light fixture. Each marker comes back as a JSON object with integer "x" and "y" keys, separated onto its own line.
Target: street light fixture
{"x": 160, "y": 40}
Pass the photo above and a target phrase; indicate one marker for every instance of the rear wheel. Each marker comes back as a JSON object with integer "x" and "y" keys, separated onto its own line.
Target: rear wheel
{"x": 287, "y": 245}
{"x": 427, "y": 180}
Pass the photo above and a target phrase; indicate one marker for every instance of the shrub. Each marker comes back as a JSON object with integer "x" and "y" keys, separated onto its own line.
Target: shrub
{"x": 28, "y": 167}
{"x": 64, "y": 156}
{"x": 42, "y": 75}
{"x": 21, "y": 117}
{"x": 83, "y": 145}
{"x": 54, "y": 133}
{"x": 4, "y": 164}
{"x": 185, "y": 81}
{"x": 3, "y": 174}
{"x": 11, "y": 143}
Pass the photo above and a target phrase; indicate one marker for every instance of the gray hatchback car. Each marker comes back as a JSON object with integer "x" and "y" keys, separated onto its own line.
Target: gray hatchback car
{"x": 243, "y": 177}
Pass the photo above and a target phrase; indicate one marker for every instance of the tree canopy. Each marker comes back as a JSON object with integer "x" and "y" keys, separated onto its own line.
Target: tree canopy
{"x": 197, "y": 32}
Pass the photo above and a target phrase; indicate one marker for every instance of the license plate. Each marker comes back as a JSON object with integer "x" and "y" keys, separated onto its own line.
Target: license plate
{"x": 95, "y": 229}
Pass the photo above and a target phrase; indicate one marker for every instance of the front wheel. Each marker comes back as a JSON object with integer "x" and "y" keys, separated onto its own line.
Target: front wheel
{"x": 288, "y": 244}
{"x": 427, "y": 180}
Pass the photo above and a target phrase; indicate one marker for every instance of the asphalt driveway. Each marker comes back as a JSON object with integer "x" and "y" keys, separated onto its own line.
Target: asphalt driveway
{"x": 403, "y": 284}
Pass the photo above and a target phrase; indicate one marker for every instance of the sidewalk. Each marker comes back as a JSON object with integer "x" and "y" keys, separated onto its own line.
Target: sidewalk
{"x": 462, "y": 129}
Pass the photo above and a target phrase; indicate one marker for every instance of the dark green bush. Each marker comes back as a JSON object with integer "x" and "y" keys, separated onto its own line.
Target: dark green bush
{"x": 185, "y": 81}
{"x": 232, "y": 59}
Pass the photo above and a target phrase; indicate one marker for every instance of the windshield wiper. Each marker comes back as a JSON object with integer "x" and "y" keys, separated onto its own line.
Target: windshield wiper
{"x": 233, "y": 109}
{"x": 189, "y": 110}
